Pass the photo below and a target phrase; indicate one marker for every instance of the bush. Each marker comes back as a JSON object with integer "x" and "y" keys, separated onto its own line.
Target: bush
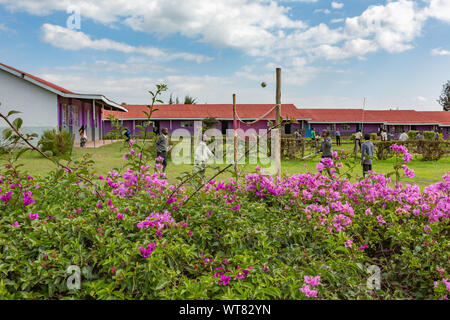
{"x": 412, "y": 134}
{"x": 57, "y": 143}
{"x": 112, "y": 136}
{"x": 429, "y": 135}
{"x": 373, "y": 136}
{"x": 127, "y": 246}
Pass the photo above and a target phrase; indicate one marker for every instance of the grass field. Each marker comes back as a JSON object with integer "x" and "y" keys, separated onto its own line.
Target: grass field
{"x": 110, "y": 156}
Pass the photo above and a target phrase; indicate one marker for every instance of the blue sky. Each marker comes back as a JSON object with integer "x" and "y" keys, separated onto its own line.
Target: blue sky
{"x": 332, "y": 53}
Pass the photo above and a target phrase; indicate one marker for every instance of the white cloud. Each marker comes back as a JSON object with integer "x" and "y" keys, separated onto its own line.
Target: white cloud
{"x": 422, "y": 99}
{"x": 304, "y": 1}
{"x": 68, "y": 39}
{"x": 4, "y": 28}
{"x": 337, "y": 20}
{"x": 264, "y": 29}
{"x": 440, "y": 52}
{"x": 248, "y": 25}
{"x": 439, "y": 9}
{"x": 337, "y": 5}
{"x": 391, "y": 27}
{"x": 326, "y": 11}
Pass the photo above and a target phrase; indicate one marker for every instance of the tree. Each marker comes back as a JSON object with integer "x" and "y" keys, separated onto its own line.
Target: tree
{"x": 444, "y": 99}
{"x": 177, "y": 101}
{"x": 189, "y": 100}
{"x": 170, "y": 99}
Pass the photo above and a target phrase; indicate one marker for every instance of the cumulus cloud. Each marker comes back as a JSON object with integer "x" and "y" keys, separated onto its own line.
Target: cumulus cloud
{"x": 337, "y": 5}
{"x": 68, "y": 39}
{"x": 256, "y": 27}
{"x": 440, "y": 52}
{"x": 247, "y": 25}
{"x": 264, "y": 29}
{"x": 439, "y": 9}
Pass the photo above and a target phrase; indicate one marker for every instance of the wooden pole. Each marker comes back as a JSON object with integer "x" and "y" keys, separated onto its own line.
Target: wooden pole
{"x": 278, "y": 122}
{"x": 235, "y": 134}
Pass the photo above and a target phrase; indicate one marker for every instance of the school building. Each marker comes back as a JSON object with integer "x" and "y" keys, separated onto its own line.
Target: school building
{"x": 347, "y": 121}
{"x": 44, "y": 105}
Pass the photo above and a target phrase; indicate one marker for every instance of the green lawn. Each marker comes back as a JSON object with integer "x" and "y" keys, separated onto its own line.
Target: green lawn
{"x": 110, "y": 156}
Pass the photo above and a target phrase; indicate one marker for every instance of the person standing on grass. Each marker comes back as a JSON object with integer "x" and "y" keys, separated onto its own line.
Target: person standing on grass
{"x": 367, "y": 151}
{"x": 383, "y": 135}
{"x": 358, "y": 137}
{"x": 326, "y": 145}
{"x": 313, "y": 136}
{"x": 403, "y": 136}
{"x": 436, "y": 135}
{"x": 162, "y": 147}
{"x": 337, "y": 134}
{"x": 297, "y": 134}
{"x": 420, "y": 136}
{"x": 202, "y": 155}
{"x": 127, "y": 135}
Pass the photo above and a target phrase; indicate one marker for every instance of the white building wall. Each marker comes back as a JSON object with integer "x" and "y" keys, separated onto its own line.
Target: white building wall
{"x": 38, "y": 107}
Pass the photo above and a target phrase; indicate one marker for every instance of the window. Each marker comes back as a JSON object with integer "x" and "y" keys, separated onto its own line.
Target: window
{"x": 74, "y": 115}
{"x": 331, "y": 127}
{"x": 88, "y": 121}
{"x": 400, "y": 129}
{"x": 187, "y": 124}
{"x": 345, "y": 127}
{"x": 65, "y": 115}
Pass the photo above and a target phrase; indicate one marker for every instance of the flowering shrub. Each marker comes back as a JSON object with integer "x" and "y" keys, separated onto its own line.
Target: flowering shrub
{"x": 299, "y": 237}
{"x": 302, "y": 236}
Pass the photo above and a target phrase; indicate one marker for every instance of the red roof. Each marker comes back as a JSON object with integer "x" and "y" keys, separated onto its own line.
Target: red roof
{"x": 442, "y": 117}
{"x": 254, "y": 111}
{"x": 52, "y": 85}
{"x": 201, "y": 111}
{"x": 375, "y": 116}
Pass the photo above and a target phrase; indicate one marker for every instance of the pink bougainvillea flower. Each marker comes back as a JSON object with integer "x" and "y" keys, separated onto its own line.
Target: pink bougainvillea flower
{"x": 224, "y": 280}
{"x": 33, "y": 216}
{"x": 363, "y": 247}
{"x": 15, "y": 224}
{"x": 265, "y": 268}
{"x": 114, "y": 270}
{"x": 408, "y": 172}
{"x": 320, "y": 166}
{"x": 348, "y": 243}
{"x": 380, "y": 220}
{"x": 99, "y": 205}
{"x": 190, "y": 233}
{"x": 6, "y": 197}
{"x": 147, "y": 252}
{"x": 119, "y": 216}
{"x": 308, "y": 292}
{"x": 368, "y": 212}
{"x": 312, "y": 281}
{"x": 236, "y": 207}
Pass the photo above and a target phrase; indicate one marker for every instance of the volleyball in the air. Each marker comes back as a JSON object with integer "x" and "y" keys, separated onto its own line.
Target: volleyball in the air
{"x": 263, "y": 84}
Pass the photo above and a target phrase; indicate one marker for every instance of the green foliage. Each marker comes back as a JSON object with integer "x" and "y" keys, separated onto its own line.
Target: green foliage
{"x": 429, "y": 135}
{"x": 373, "y": 136}
{"x": 209, "y": 123}
{"x": 189, "y": 100}
{"x": 412, "y": 134}
{"x": 444, "y": 98}
{"x": 56, "y": 143}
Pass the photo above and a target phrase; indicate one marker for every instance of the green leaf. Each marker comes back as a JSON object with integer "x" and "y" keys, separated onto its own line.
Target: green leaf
{"x": 17, "y": 123}
{"x": 13, "y": 112}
